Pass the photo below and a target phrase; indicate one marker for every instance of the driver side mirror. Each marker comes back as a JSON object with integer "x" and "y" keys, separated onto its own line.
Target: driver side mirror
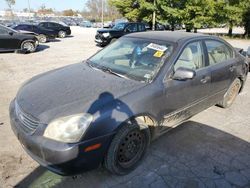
{"x": 248, "y": 51}
{"x": 183, "y": 74}
{"x": 11, "y": 33}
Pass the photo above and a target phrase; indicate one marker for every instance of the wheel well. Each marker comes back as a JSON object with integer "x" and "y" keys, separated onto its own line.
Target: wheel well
{"x": 26, "y": 40}
{"x": 149, "y": 121}
{"x": 242, "y": 83}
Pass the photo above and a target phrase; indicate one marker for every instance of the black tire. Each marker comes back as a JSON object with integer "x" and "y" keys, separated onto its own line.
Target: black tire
{"x": 61, "y": 34}
{"x": 231, "y": 94}
{"x": 132, "y": 140}
{"x": 42, "y": 38}
{"x": 28, "y": 46}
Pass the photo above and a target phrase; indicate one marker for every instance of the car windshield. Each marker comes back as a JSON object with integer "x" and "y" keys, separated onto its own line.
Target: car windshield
{"x": 119, "y": 26}
{"x": 133, "y": 58}
{"x": 63, "y": 24}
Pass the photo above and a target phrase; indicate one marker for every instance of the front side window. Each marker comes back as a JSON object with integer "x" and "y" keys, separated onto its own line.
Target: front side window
{"x": 119, "y": 26}
{"x": 43, "y": 24}
{"x": 218, "y": 52}
{"x": 131, "y": 28}
{"x": 137, "y": 59}
{"x": 191, "y": 57}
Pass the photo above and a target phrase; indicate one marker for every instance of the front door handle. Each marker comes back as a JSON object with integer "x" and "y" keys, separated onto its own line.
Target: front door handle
{"x": 232, "y": 68}
{"x": 205, "y": 79}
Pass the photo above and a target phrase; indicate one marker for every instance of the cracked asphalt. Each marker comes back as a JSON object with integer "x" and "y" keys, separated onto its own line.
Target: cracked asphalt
{"x": 210, "y": 150}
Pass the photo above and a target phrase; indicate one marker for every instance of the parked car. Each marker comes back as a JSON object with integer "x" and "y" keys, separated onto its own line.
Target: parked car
{"x": 12, "y": 40}
{"x": 246, "y": 54}
{"x": 86, "y": 24}
{"x": 44, "y": 35}
{"x": 110, "y": 107}
{"x": 105, "y": 36}
{"x": 62, "y": 29}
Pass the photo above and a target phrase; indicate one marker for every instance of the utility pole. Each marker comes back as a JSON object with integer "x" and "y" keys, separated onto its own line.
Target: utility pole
{"x": 154, "y": 15}
{"x": 102, "y": 13}
{"x": 29, "y": 8}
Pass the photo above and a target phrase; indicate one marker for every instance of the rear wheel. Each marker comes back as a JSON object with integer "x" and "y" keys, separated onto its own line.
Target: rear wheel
{"x": 127, "y": 148}
{"x": 113, "y": 40}
{"x": 28, "y": 46}
{"x": 231, "y": 94}
{"x": 42, "y": 38}
{"x": 62, "y": 34}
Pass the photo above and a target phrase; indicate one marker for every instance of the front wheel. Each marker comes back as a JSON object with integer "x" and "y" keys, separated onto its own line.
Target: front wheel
{"x": 231, "y": 94}
{"x": 28, "y": 46}
{"x": 127, "y": 148}
{"x": 113, "y": 40}
{"x": 62, "y": 34}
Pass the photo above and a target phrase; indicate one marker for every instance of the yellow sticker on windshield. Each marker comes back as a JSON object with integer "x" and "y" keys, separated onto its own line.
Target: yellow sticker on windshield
{"x": 158, "y": 54}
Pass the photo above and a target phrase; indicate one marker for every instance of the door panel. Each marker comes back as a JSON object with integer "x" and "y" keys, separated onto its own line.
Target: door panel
{"x": 186, "y": 98}
{"x": 223, "y": 66}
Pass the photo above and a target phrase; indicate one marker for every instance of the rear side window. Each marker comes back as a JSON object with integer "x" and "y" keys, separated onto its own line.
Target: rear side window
{"x": 141, "y": 27}
{"x": 53, "y": 25}
{"x": 218, "y": 52}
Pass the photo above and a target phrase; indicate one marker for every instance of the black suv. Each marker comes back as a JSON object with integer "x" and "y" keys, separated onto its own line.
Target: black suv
{"x": 62, "y": 29}
{"x": 11, "y": 40}
{"x": 43, "y": 34}
{"x": 105, "y": 36}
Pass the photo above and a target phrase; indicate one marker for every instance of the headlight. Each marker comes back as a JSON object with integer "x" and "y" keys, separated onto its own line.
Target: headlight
{"x": 105, "y": 35}
{"x": 68, "y": 129}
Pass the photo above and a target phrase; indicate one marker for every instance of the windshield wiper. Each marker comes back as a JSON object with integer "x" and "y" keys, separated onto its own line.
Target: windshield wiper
{"x": 105, "y": 69}
{"x": 108, "y": 70}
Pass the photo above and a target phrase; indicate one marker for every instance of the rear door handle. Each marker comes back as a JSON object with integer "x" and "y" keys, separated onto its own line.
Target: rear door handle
{"x": 205, "y": 79}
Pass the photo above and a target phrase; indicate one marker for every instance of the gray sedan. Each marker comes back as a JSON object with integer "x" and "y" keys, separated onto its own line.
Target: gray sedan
{"x": 107, "y": 109}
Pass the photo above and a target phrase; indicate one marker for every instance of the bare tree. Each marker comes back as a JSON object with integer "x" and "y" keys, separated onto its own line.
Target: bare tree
{"x": 10, "y": 3}
{"x": 93, "y": 10}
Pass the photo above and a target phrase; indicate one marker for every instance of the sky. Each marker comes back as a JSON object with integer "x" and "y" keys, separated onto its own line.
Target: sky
{"x": 54, "y": 4}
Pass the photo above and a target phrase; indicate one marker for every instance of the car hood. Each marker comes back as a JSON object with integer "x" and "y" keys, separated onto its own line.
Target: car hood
{"x": 70, "y": 90}
{"x": 27, "y": 32}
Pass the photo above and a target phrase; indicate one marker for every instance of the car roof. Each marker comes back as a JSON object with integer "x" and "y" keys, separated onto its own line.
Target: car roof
{"x": 170, "y": 36}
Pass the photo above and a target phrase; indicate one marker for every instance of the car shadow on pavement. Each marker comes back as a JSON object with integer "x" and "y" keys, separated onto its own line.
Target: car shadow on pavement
{"x": 54, "y": 40}
{"x": 191, "y": 155}
{"x": 42, "y": 47}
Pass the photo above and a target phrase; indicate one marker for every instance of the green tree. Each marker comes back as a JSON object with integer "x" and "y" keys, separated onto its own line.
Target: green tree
{"x": 233, "y": 14}
{"x": 170, "y": 11}
{"x": 245, "y": 5}
{"x": 198, "y": 13}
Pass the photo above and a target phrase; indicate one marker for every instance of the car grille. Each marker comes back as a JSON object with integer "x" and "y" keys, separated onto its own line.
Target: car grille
{"x": 98, "y": 36}
{"x": 28, "y": 123}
